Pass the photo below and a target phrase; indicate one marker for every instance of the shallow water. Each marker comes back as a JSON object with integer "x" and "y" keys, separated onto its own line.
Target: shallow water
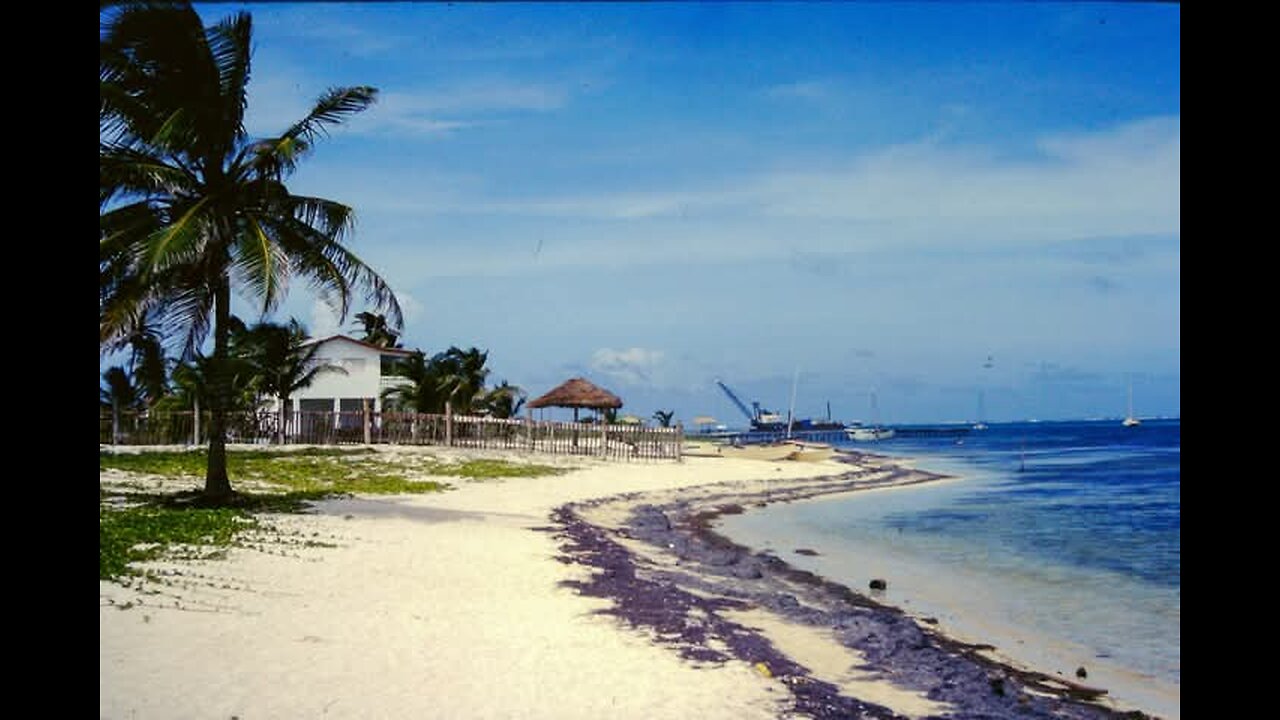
{"x": 1059, "y": 543}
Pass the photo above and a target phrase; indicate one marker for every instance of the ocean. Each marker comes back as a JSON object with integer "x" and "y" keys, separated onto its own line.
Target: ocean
{"x": 1057, "y": 542}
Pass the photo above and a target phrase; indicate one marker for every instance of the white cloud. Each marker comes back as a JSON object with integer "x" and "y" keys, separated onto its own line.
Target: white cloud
{"x": 635, "y": 366}
{"x": 1122, "y": 181}
{"x": 324, "y": 322}
{"x": 281, "y": 98}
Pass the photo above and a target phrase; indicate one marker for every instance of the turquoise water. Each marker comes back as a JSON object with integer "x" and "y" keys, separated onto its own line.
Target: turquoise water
{"x": 1060, "y": 543}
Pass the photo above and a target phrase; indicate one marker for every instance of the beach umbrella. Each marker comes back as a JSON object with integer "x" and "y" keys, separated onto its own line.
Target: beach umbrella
{"x": 577, "y": 393}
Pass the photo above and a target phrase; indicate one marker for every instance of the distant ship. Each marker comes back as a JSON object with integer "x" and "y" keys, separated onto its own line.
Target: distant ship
{"x": 764, "y": 421}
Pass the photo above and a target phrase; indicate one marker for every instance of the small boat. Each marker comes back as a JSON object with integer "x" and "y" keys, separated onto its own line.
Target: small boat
{"x": 866, "y": 434}
{"x": 760, "y": 451}
{"x": 811, "y": 451}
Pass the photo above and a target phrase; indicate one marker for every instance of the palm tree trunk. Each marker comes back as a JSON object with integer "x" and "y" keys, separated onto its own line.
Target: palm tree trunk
{"x": 216, "y": 483}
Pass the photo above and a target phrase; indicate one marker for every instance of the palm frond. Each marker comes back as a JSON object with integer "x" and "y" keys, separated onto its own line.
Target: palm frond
{"x": 128, "y": 172}
{"x": 278, "y": 156}
{"x": 229, "y": 45}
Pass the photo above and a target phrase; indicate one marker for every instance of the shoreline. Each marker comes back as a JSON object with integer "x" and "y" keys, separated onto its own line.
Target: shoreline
{"x": 674, "y": 563}
{"x": 561, "y": 590}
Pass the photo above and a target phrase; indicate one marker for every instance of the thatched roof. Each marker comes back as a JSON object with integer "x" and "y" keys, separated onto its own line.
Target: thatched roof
{"x": 577, "y": 393}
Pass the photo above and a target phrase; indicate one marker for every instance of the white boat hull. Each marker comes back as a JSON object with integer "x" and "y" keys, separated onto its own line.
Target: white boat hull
{"x": 868, "y": 434}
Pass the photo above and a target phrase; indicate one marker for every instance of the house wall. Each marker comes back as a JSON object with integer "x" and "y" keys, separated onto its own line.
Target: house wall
{"x": 362, "y": 380}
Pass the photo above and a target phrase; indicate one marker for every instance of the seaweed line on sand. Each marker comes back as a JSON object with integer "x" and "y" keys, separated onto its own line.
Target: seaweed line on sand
{"x": 682, "y": 600}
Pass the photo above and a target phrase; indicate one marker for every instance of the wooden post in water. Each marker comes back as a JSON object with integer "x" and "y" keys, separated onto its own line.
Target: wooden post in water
{"x": 448, "y": 423}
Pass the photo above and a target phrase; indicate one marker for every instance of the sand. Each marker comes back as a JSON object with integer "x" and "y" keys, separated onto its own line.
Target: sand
{"x": 432, "y": 606}
{"x": 455, "y": 605}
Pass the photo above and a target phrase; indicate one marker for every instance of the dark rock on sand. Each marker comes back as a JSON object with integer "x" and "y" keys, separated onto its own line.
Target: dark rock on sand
{"x": 806, "y": 551}
{"x": 648, "y": 518}
{"x": 879, "y": 584}
{"x": 1081, "y": 673}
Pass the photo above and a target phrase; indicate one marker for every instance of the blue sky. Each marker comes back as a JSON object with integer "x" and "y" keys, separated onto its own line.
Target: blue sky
{"x": 878, "y": 195}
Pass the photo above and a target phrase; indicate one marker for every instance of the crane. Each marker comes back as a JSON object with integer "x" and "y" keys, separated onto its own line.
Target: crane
{"x": 751, "y": 417}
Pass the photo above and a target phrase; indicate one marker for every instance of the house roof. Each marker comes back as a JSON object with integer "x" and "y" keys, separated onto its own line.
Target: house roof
{"x": 399, "y": 352}
{"x": 577, "y": 393}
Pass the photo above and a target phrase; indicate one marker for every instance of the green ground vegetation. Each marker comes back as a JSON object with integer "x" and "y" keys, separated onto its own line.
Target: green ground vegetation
{"x": 136, "y": 525}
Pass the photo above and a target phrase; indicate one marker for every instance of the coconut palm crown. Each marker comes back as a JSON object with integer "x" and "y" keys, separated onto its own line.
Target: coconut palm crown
{"x": 191, "y": 207}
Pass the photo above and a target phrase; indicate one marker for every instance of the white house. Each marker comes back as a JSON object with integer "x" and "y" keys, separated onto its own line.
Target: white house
{"x": 346, "y": 393}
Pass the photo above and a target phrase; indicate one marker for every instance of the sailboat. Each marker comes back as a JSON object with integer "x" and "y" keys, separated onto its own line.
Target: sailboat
{"x": 1129, "y": 419}
{"x": 982, "y": 413}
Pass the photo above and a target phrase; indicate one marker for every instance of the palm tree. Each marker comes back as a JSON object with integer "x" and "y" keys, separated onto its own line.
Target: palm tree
{"x": 147, "y": 363}
{"x": 189, "y": 205}
{"x": 462, "y": 375}
{"x": 119, "y": 392}
{"x": 282, "y": 363}
{"x": 377, "y": 331}
{"x": 664, "y": 417}
{"x": 424, "y": 393}
{"x": 504, "y": 400}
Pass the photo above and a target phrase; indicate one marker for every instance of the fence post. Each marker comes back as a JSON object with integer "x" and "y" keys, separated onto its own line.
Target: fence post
{"x": 115, "y": 422}
{"x": 680, "y": 442}
{"x": 368, "y": 435}
{"x": 195, "y": 423}
{"x": 448, "y": 424}
{"x": 528, "y": 427}
{"x": 604, "y": 436}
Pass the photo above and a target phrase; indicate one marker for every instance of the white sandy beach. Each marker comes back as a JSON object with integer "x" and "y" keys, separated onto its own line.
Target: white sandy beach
{"x": 431, "y": 606}
{"x": 450, "y": 605}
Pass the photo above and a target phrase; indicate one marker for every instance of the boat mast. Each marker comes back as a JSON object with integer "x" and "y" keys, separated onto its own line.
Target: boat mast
{"x": 791, "y": 413}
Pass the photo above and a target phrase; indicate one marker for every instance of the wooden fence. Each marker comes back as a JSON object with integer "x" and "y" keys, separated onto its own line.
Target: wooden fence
{"x": 617, "y": 442}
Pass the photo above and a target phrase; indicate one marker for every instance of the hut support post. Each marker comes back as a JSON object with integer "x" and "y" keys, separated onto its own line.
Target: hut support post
{"x": 528, "y": 428}
{"x": 604, "y": 434}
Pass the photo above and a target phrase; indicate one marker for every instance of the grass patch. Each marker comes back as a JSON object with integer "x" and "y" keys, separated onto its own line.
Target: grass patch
{"x": 358, "y": 470}
{"x": 486, "y": 469}
{"x": 136, "y": 526}
{"x": 152, "y": 532}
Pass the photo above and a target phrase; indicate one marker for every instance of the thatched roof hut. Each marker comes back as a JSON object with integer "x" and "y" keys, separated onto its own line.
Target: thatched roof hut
{"x": 577, "y": 393}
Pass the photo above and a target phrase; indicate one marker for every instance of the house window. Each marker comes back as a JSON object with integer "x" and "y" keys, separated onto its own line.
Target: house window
{"x": 392, "y": 365}
{"x": 316, "y": 414}
{"x": 352, "y": 413}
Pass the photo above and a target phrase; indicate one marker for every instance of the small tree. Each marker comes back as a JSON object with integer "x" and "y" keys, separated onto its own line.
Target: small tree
{"x": 377, "y": 331}
{"x": 664, "y": 417}
{"x": 282, "y": 363}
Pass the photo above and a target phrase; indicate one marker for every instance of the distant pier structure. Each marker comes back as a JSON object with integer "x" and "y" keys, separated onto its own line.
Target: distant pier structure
{"x": 932, "y": 431}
